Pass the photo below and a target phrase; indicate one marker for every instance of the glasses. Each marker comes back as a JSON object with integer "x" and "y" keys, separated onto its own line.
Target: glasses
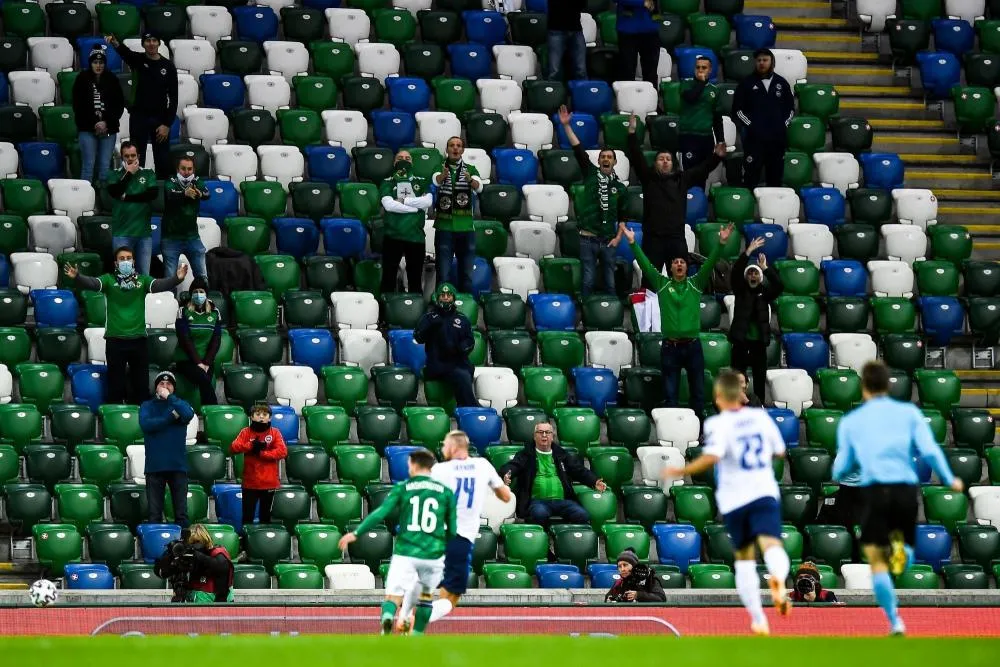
{"x": 544, "y": 432}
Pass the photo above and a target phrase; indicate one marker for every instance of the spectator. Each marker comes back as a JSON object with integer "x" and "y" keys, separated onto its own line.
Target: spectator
{"x": 164, "y": 420}
{"x": 755, "y": 287}
{"x": 125, "y": 328}
{"x": 638, "y": 40}
{"x": 637, "y": 583}
{"x": 808, "y": 586}
{"x": 211, "y": 578}
{"x": 132, "y": 190}
{"x": 679, "y": 297}
{"x": 664, "y": 194}
{"x": 598, "y": 220}
{"x": 749, "y": 399}
{"x": 262, "y": 447}
{"x": 545, "y": 474}
{"x": 565, "y": 38}
{"x": 155, "y": 107}
{"x": 199, "y": 334}
{"x": 182, "y": 197}
{"x": 700, "y": 122}
{"x": 454, "y": 234}
{"x": 446, "y": 335}
{"x": 763, "y": 106}
{"x": 98, "y": 104}
{"x": 405, "y": 198}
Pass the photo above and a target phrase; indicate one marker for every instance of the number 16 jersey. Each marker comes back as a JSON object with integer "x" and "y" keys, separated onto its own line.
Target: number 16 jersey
{"x": 470, "y": 479}
{"x": 746, "y": 442}
{"x": 426, "y": 517}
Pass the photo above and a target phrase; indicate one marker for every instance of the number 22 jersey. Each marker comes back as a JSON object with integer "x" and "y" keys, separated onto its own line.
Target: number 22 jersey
{"x": 746, "y": 442}
{"x": 470, "y": 479}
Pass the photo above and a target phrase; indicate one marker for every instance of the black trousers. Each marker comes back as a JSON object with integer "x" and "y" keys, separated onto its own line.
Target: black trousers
{"x": 204, "y": 381}
{"x": 143, "y": 131}
{"x": 752, "y": 354}
{"x": 661, "y": 250}
{"x": 393, "y": 251}
{"x": 251, "y": 498}
{"x": 693, "y": 149}
{"x": 763, "y": 159}
{"x": 128, "y": 370}
{"x": 156, "y": 486}
{"x": 460, "y": 379}
{"x": 638, "y": 48}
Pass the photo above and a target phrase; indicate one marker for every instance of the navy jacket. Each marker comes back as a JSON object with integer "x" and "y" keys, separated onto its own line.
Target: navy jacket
{"x": 447, "y": 339}
{"x": 762, "y": 114}
{"x": 164, "y": 426}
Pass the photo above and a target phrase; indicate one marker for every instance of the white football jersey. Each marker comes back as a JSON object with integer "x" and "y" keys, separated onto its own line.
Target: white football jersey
{"x": 471, "y": 479}
{"x": 746, "y": 442}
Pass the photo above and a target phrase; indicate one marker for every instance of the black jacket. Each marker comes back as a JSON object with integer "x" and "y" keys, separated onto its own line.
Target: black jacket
{"x": 762, "y": 114}
{"x": 231, "y": 271}
{"x": 83, "y": 101}
{"x": 564, "y": 15}
{"x": 665, "y": 197}
{"x": 752, "y": 303}
{"x": 155, "y": 85}
{"x": 447, "y": 339}
{"x": 524, "y": 467}
{"x": 643, "y": 581}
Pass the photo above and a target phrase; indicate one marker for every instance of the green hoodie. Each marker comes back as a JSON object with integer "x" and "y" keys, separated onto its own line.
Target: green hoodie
{"x": 180, "y": 212}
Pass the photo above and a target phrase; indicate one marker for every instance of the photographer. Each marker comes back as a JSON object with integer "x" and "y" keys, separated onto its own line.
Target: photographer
{"x": 637, "y": 584}
{"x": 807, "y": 586}
{"x": 198, "y": 571}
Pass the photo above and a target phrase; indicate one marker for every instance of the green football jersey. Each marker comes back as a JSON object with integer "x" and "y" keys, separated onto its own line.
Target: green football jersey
{"x": 426, "y": 517}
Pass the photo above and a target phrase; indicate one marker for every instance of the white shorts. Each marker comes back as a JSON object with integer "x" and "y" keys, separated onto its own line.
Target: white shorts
{"x": 407, "y": 573}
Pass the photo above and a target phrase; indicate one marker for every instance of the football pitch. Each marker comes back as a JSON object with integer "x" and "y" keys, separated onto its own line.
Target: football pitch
{"x": 468, "y": 651}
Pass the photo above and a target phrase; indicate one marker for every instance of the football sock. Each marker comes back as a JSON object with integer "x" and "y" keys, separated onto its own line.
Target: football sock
{"x": 777, "y": 563}
{"x": 748, "y": 586}
{"x": 910, "y": 555}
{"x": 885, "y": 596}
{"x": 423, "y": 617}
{"x": 440, "y": 609}
{"x": 388, "y": 609}
{"x": 409, "y": 601}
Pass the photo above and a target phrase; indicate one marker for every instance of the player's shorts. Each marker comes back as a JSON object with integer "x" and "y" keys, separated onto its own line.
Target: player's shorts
{"x": 406, "y": 573}
{"x": 760, "y": 517}
{"x": 888, "y": 508}
{"x": 457, "y": 563}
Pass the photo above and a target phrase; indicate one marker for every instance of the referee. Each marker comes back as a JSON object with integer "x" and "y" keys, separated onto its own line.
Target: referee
{"x": 880, "y": 441}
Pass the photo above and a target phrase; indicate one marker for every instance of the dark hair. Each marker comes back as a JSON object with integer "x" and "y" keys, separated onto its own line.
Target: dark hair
{"x": 705, "y": 58}
{"x": 875, "y": 377}
{"x": 126, "y": 249}
{"x": 185, "y": 158}
{"x": 607, "y": 149}
{"x": 455, "y": 137}
{"x": 423, "y": 459}
{"x": 126, "y": 144}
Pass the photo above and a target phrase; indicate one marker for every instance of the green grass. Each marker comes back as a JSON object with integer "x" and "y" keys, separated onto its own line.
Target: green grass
{"x": 471, "y": 651}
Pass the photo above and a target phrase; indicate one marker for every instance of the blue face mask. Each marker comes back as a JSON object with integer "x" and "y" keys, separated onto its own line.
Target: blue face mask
{"x": 126, "y": 267}
{"x": 199, "y": 298}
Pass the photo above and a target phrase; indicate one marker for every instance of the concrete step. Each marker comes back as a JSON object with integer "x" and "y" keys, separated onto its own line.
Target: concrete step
{"x": 811, "y": 23}
{"x": 788, "y": 8}
{"x": 904, "y": 92}
{"x": 941, "y": 143}
{"x": 949, "y": 178}
{"x": 981, "y": 219}
{"x": 887, "y": 124}
{"x": 855, "y": 75}
{"x": 983, "y": 249}
{"x": 820, "y": 43}
{"x": 978, "y": 376}
{"x": 972, "y": 197}
{"x": 944, "y": 160}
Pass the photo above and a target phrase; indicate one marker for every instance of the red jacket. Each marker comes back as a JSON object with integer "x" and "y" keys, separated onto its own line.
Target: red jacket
{"x": 260, "y": 471}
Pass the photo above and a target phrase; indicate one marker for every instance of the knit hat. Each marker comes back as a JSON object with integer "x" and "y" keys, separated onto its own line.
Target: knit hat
{"x": 753, "y": 267}
{"x": 165, "y": 376}
{"x": 763, "y": 52}
{"x": 198, "y": 283}
{"x": 629, "y": 556}
{"x": 150, "y": 35}
{"x": 97, "y": 54}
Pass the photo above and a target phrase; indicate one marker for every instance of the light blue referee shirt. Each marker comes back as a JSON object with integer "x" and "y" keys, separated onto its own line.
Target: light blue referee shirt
{"x": 880, "y": 439}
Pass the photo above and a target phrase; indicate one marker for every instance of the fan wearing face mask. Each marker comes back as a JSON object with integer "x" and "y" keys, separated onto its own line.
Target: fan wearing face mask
{"x": 199, "y": 333}
{"x": 755, "y": 286}
{"x": 262, "y": 447}
{"x": 446, "y": 335}
{"x": 405, "y": 198}
{"x": 182, "y": 197}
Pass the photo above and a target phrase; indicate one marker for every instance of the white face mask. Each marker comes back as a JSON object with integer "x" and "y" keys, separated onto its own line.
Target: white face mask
{"x": 185, "y": 180}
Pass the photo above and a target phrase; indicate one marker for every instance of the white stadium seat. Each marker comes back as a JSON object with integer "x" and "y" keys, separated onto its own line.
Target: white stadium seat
{"x": 412, "y": 6}
{"x": 812, "y": 242}
{"x": 857, "y": 576}
{"x": 6, "y": 385}
{"x": 546, "y": 203}
{"x": 283, "y": 164}
{"x": 852, "y": 350}
{"x": 354, "y": 310}
{"x": 347, "y": 128}
{"x": 348, "y": 577}
{"x": 778, "y": 206}
{"x": 915, "y": 206}
{"x": 54, "y": 234}
{"x": 52, "y": 54}
{"x": 891, "y": 278}
{"x": 873, "y": 13}
{"x": 589, "y": 26}
{"x": 907, "y": 243}
{"x": 32, "y": 89}
{"x": 495, "y": 387}
{"x": 496, "y": 512}
{"x": 267, "y": 92}
{"x": 517, "y": 276}
{"x": 533, "y": 239}
{"x": 622, "y": 167}
{"x": 664, "y": 67}
{"x": 969, "y": 11}
{"x": 96, "y": 345}
{"x": 210, "y": 23}
{"x": 790, "y": 388}
{"x": 480, "y": 159}
{"x": 187, "y": 91}
{"x": 635, "y": 97}
{"x": 276, "y": 5}
{"x": 652, "y": 461}
{"x": 986, "y": 504}
{"x": 378, "y": 60}
{"x": 676, "y": 427}
{"x": 295, "y": 386}
{"x": 515, "y": 62}
{"x": 207, "y": 127}
{"x": 532, "y": 131}
{"x": 72, "y": 197}
{"x": 9, "y": 160}
{"x": 161, "y": 310}
{"x": 364, "y": 348}
{"x": 194, "y": 56}
{"x": 500, "y": 96}
{"x": 287, "y": 59}
{"x": 234, "y": 162}
{"x": 791, "y": 64}
{"x": 609, "y": 349}
{"x": 348, "y": 25}
{"x": 437, "y": 127}
{"x": 136, "y": 455}
{"x": 210, "y": 233}
{"x": 838, "y": 170}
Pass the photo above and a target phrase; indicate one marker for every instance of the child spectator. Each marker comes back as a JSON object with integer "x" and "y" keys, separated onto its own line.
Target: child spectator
{"x": 262, "y": 447}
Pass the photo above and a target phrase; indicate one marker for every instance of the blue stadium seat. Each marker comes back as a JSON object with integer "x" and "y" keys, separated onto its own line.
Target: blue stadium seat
{"x": 482, "y": 425}
{"x": 807, "y": 351}
{"x": 408, "y": 94}
{"x": 939, "y": 72}
{"x": 560, "y": 578}
{"x": 255, "y": 23}
{"x": 953, "y": 35}
{"x": 624, "y": 251}
{"x": 222, "y": 91}
{"x": 601, "y": 570}
{"x": 321, "y": 4}
{"x": 697, "y": 206}
{"x": 84, "y": 45}
{"x": 515, "y": 166}
{"x": 775, "y": 239}
{"x": 604, "y": 578}
{"x": 4, "y": 271}
{"x": 552, "y": 311}
{"x": 88, "y": 577}
{"x": 405, "y": 351}
{"x": 844, "y": 277}
{"x": 549, "y": 568}
{"x": 685, "y": 56}
{"x": 585, "y": 127}
{"x": 932, "y": 546}
{"x": 54, "y": 307}
{"x": 344, "y": 237}
{"x": 484, "y": 27}
{"x": 754, "y": 31}
{"x": 788, "y": 425}
{"x": 4, "y": 89}
{"x": 470, "y": 61}
{"x": 923, "y": 470}
{"x": 88, "y": 384}
{"x": 314, "y": 348}
{"x": 596, "y": 388}
{"x": 882, "y": 170}
{"x": 154, "y": 537}
{"x": 942, "y": 318}
{"x": 592, "y": 97}
{"x": 677, "y": 544}
{"x": 284, "y": 419}
{"x": 482, "y": 275}
{"x": 223, "y": 202}
{"x": 398, "y": 457}
{"x": 329, "y": 164}
{"x": 824, "y": 206}
{"x": 42, "y": 160}
{"x": 229, "y": 504}
{"x": 156, "y": 230}
{"x": 394, "y": 129}
{"x": 297, "y": 237}
{"x": 540, "y": 6}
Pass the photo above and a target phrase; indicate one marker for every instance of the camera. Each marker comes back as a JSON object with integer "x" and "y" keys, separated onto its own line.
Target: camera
{"x": 805, "y": 584}
{"x": 639, "y": 574}
{"x": 176, "y": 565}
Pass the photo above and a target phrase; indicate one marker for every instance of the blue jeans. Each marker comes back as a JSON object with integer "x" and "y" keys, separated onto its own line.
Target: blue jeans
{"x": 560, "y": 41}
{"x": 462, "y": 246}
{"x": 142, "y": 249}
{"x": 193, "y": 249}
{"x": 688, "y": 356}
{"x": 593, "y": 249}
{"x": 541, "y": 511}
{"x": 95, "y": 155}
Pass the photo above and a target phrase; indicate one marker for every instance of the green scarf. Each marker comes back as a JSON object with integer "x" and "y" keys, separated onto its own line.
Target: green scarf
{"x": 604, "y": 196}
{"x": 455, "y": 197}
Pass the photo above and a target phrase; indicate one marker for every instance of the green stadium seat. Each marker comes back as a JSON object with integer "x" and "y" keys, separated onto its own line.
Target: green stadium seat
{"x": 733, "y": 204}
{"x": 717, "y": 544}
{"x": 936, "y": 278}
{"x": 810, "y": 465}
{"x": 904, "y": 352}
{"x": 223, "y": 423}
{"x": 484, "y": 549}
{"x": 514, "y": 349}
{"x": 562, "y": 349}
{"x": 800, "y": 277}
{"x": 345, "y": 387}
{"x": 395, "y": 26}
{"x": 244, "y": 384}
{"x": 122, "y": 21}
{"x": 816, "y": 99}
{"x": 981, "y": 278}
{"x": 10, "y": 464}
{"x": 16, "y": 347}
{"x": 979, "y": 544}
{"x": 307, "y": 464}
{"x": 562, "y": 275}
{"x": 806, "y": 134}
{"x": 378, "y": 425}
{"x": 579, "y": 428}
{"x": 798, "y": 314}
{"x": 972, "y": 428}
{"x": 628, "y": 427}
{"x": 839, "y": 388}
{"x": 255, "y": 309}
{"x": 141, "y": 576}
{"x": 39, "y": 384}
{"x": 58, "y": 124}
{"x": 357, "y": 465}
{"x": 306, "y": 308}
{"x": 944, "y": 506}
{"x": 792, "y": 541}
{"x": 196, "y": 504}
{"x": 644, "y": 505}
{"x": 951, "y": 243}
{"x": 426, "y": 425}
{"x": 937, "y": 423}
{"x": 224, "y": 535}
{"x": 500, "y": 202}
{"x": 333, "y": 59}
{"x": 291, "y": 505}
{"x": 26, "y": 505}
{"x": 704, "y": 575}
{"x": 20, "y": 424}
{"x": 974, "y": 108}
{"x": 503, "y": 311}
{"x": 545, "y": 387}
{"x": 100, "y": 464}
{"x": 799, "y": 504}
{"x": 717, "y": 351}
{"x": 894, "y": 315}
{"x": 798, "y": 169}
{"x": 612, "y": 464}
{"x": 856, "y": 241}
{"x": 47, "y": 464}
{"x": 829, "y": 544}
{"x": 485, "y": 130}
{"x": 280, "y": 272}
{"x": 300, "y": 127}
{"x": 870, "y": 206}
{"x": 315, "y": 92}
{"x": 939, "y": 389}
{"x": 574, "y": 544}
{"x": 602, "y": 506}
{"x": 298, "y": 576}
{"x": 256, "y": 127}
{"x": 263, "y": 199}
{"x": 621, "y": 536}
{"x": 524, "y": 544}
{"x": 968, "y": 577}
{"x": 693, "y": 504}
{"x": 337, "y": 504}
{"x": 79, "y": 504}
{"x": 373, "y": 547}
{"x": 505, "y": 575}
{"x": 268, "y": 543}
{"x": 318, "y": 544}
{"x": 326, "y": 425}
{"x": 250, "y": 576}
{"x": 423, "y": 59}
{"x": 110, "y": 543}
{"x": 500, "y": 455}
{"x": 917, "y": 579}
{"x": 821, "y": 428}
{"x": 260, "y": 347}
{"x": 128, "y": 504}
{"x": 965, "y": 464}
{"x": 643, "y": 387}
{"x": 521, "y": 422}
{"x": 24, "y": 19}
{"x": 57, "y": 544}
{"x": 708, "y": 240}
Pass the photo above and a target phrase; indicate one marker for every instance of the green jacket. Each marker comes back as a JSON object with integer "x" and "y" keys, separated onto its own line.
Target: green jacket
{"x": 456, "y": 221}
{"x": 180, "y": 212}
{"x": 590, "y": 215}
{"x": 133, "y": 196}
{"x": 680, "y": 300}
{"x": 699, "y": 112}
{"x": 407, "y": 227}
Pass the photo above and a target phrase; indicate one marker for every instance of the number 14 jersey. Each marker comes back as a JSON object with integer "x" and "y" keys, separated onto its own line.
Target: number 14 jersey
{"x": 470, "y": 479}
{"x": 746, "y": 442}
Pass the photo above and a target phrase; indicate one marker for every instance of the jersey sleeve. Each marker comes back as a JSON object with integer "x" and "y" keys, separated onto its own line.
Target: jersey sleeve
{"x": 773, "y": 435}
{"x": 715, "y": 443}
{"x": 491, "y": 475}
